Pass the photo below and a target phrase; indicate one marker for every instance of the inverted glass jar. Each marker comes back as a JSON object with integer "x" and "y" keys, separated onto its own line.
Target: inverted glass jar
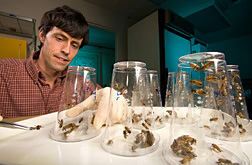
{"x": 158, "y": 110}
{"x": 133, "y": 135}
{"x": 240, "y": 105}
{"x": 80, "y": 84}
{"x": 204, "y": 129}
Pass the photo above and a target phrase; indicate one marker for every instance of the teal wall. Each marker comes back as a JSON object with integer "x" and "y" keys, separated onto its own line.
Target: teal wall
{"x": 175, "y": 47}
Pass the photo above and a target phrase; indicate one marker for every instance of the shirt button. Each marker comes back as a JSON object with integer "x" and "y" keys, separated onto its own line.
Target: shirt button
{"x": 49, "y": 110}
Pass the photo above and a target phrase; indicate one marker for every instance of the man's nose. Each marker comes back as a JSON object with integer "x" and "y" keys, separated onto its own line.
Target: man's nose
{"x": 66, "y": 48}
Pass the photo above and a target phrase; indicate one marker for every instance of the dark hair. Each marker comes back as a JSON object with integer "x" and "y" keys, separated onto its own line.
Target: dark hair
{"x": 67, "y": 19}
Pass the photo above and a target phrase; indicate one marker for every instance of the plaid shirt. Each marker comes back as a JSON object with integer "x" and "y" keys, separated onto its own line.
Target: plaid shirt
{"x": 24, "y": 91}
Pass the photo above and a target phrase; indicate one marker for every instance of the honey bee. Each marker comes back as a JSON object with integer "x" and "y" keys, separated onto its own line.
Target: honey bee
{"x": 136, "y": 118}
{"x": 216, "y": 147}
{"x": 81, "y": 119}
{"x": 198, "y": 91}
{"x": 139, "y": 138}
{"x": 142, "y": 102}
{"x": 239, "y": 91}
{"x": 212, "y": 79}
{"x": 206, "y": 126}
{"x": 116, "y": 85}
{"x": 224, "y": 161}
{"x": 67, "y": 132}
{"x": 110, "y": 142}
{"x": 223, "y": 90}
{"x": 224, "y": 80}
{"x": 157, "y": 118}
{"x": 168, "y": 93}
{"x": 60, "y": 123}
{"x": 123, "y": 90}
{"x": 71, "y": 103}
{"x": 235, "y": 76}
{"x": 237, "y": 85}
{"x": 70, "y": 126}
{"x": 195, "y": 82}
{"x": 127, "y": 130}
{"x": 240, "y": 115}
{"x": 239, "y": 99}
{"x": 148, "y": 121}
{"x": 185, "y": 159}
{"x": 92, "y": 120}
{"x": 195, "y": 66}
{"x": 124, "y": 134}
{"x": 213, "y": 119}
{"x": 169, "y": 111}
{"x": 145, "y": 126}
{"x": 86, "y": 70}
{"x": 37, "y": 127}
{"x": 133, "y": 148}
{"x": 219, "y": 102}
{"x": 180, "y": 84}
{"x": 207, "y": 65}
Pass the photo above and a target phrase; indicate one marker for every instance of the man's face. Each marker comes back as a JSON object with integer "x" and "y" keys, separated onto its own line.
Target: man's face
{"x": 58, "y": 49}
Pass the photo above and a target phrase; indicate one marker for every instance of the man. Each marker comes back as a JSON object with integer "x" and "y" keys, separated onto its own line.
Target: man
{"x": 33, "y": 86}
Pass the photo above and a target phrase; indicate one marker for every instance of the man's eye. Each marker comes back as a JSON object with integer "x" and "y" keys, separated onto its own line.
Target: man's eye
{"x": 59, "y": 38}
{"x": 75, "y": 46}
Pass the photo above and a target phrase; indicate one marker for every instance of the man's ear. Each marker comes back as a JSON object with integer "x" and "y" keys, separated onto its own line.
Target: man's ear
{"x": 41, "y": 35}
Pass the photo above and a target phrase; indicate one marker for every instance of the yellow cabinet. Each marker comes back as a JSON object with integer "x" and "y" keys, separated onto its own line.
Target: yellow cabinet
{"x": 12, "y": 48}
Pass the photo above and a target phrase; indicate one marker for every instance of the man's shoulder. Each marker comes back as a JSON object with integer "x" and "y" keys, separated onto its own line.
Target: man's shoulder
{"x": 11, "y": 64}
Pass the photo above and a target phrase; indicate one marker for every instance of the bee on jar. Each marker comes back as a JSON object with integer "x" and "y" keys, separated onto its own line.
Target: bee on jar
{"x": 195, "y": 66}
{"x": 212, "y": 79}
{"x": 207, "y": 65}
{"x": 92, "y": 120}
{"x": 224, "y": 161}
{"x": 127, "y": 130}
{"x": 206, "y": 126}
{"x": 240, "y": 115}
{"x": 169, "y": 111}
{"x": 237, "y": 85}
{"x": 219, "y": 102}
{"x": 148, "y": 121}
{"x": 168, "y": 93}
{"x": 139, "y": 138}
{"x": 216, "y": 147}
{"x": 223, "y": 90}
{"x": 60, "y": 123}
{"x": 81, "y": 119}
{"x": 124, "y": 134}
{"x": 145, "y": 126}
{"x": 116, "y": 86}
{"x": 123, "y": 90}
{"x": 198, "y": 91}
{"x": 85, "y": 70}
{"x": 37, "y": 127}
{"x": 133, "y": 148}
{"x": 110, "y": 142}
{"x": 142, "y": 102}
{"x": 185, "y": 160}
{"x": 180, "y": 83}
{"x": 195, "y": 82}
{"x": 213, "y": 119}
{"x": 239, "y": 99}
{"x": 71, "y": 103}
{"x": 156, "y": 119}
{"x": 234, "y": 77}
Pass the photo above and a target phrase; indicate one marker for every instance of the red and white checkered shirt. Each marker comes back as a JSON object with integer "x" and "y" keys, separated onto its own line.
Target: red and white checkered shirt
{"x": 24, "y": 91}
